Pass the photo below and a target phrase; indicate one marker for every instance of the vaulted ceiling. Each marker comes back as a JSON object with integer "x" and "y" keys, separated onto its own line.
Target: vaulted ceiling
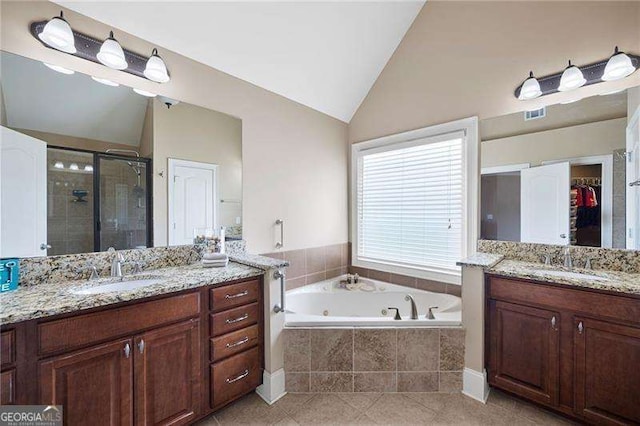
{"x": 325, "y": 55}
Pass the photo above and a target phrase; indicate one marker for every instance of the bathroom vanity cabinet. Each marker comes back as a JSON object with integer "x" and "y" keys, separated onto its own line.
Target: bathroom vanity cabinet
{"x": 169, "y": 359}
{"x": 571, "y": 349}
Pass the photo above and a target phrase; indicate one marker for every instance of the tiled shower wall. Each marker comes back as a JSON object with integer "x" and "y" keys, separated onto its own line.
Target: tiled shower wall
{"x": 374, "y": 360}
{"x": 308, "y": 266}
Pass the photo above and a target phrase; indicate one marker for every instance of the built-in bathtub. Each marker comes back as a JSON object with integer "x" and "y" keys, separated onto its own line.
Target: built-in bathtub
{"x": 328, "y": 303}
{"x": 339, "y": 340}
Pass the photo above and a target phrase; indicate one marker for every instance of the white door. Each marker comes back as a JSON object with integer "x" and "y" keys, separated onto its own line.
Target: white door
{"x": 633, "y": 182}
{"x": 545, "y": 201}
{"x": 23, "y": 195}
{"x": 192, "y": 199}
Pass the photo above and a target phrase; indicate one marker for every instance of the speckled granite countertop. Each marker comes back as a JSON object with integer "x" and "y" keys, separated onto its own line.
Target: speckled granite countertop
{"x": 45, "y": 300}
{"x": 256, "y": 261}
{"x": 485, "y": 260}
{"x": 611, "y": 281}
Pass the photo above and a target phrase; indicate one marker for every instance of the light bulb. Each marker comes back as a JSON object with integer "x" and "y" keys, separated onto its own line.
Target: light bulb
{"x": 59, "y": 165}
{"x": 618, "y": 66}
{"x": 58, "y": 34}
{"x": 571, "y": 79}
{"x": 530, "y": 88}
{"x": 111, "y": 54}
{"x": 156, "y": 70}
{"x": 73, "y": 166}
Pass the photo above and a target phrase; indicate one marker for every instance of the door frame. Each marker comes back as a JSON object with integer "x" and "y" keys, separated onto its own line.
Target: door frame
{"x": 172, "y": 163}
{"x": 507, "y": 168}
{"x": 606, "y": 196}
{"x": 632, "y": 233}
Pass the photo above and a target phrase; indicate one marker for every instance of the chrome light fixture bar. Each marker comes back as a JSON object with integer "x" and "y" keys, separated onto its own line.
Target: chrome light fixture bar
{"x": 88, "y": 47}
{"x": 620, "y": 65}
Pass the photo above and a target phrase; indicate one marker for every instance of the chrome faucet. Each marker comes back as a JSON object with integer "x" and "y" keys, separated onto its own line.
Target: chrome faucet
{"x": 116, "y": 263}
{"x": 414, "y": 308}
{"x": 568, "y": 262}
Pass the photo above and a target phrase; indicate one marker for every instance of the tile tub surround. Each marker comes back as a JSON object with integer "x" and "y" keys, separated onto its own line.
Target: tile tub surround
{"x": 407, "y": 281}
{"x": 373, "y": 360}
{"x": 601, "y": 258}
{"x": 312, "y": 265}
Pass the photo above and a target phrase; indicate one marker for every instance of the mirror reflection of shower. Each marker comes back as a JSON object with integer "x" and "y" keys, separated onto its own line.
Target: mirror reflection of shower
{"x": 138, "y": 191}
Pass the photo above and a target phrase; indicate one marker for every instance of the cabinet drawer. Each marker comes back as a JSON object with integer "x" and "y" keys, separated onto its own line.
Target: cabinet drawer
{"x": 234, "y": 319}
{"x": 7, "y": 387}
{"x": 235, "y": 376}
{"x": 233, "y": 295}
{"x": 232, "y": 343}
{"x": 7, "y": 347}
{"x": 73, "y": 332}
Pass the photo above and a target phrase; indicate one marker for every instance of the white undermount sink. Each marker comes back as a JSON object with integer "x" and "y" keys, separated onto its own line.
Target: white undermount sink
{"x": 567, "y": 274}
{"x": 111, "y": 287}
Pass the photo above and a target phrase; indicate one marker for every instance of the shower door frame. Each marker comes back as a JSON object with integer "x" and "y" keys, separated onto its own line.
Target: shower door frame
{"x": 97, "y": 156}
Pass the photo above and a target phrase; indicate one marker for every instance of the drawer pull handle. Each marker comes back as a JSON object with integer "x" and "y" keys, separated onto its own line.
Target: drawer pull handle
{"x": 141, "y": 345}
{"x": 242, "y": 318}
{"x": 553, "y": 323}
{"x": 580, "y": 327}
{"x": 240, "y": 377}
{"x": 127, "y": 350}
{"x": 238, "y": 343}
{"x": 233, "y": 296}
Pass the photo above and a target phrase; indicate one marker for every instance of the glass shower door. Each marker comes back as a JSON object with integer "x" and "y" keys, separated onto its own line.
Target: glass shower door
{"x": 124, "y": 203}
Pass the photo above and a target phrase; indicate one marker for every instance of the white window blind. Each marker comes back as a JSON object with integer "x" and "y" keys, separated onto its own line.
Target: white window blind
{"x": 410, "y": 204}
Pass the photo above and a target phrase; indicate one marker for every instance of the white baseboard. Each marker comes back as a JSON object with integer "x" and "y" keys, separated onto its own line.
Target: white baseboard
{"x": 272, "y": 387}
{"x": 475, "y": 385}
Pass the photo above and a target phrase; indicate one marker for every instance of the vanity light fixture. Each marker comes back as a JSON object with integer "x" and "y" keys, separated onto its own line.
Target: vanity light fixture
{"x": 144, "y": 93}
{"x": 73, "y": 166}
{"x": 59, "y": 69}
{"x": 59, "y": 165}
{"x": 618, "y": 66}
{"x": 58, "y": 34}
{"x": 156, "y": 70}
{"x": 111, "y": 54}
{"x": 105, "y": 81}
{"x": 571, "y": 79}
{"x": 530, "y": 88}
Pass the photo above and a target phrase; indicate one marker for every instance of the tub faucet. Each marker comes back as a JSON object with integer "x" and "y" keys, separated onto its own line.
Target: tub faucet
{"x": 414, "y": 308}
{"x": 430, "y": 313}
{"x": 116, "y": 263}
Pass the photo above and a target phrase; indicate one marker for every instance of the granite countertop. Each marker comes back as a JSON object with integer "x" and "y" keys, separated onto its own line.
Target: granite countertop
{"x": 485, "y": 260}
{"x": 611, "y": 281}
{"x": 256, "y": 261}
{"x": 49, "y": 299}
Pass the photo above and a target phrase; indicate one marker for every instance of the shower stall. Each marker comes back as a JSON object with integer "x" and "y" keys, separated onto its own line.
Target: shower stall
{"x": 97, "y": 200}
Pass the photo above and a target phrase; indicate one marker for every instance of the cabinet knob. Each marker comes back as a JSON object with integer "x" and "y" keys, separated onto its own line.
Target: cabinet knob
{"x": 127, "y": 350}
{"x": 141, "y": 345}
{"x": 580, "y": 327}
{"x": 553, "y": 322}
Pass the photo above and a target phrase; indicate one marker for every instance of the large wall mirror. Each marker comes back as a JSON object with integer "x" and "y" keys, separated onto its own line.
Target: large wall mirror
{"x": 86, "y": 165}
{"x": 566, "y": 174}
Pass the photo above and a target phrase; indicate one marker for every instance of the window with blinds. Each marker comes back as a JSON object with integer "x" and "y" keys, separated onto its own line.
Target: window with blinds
{"x": 410, "y": 204}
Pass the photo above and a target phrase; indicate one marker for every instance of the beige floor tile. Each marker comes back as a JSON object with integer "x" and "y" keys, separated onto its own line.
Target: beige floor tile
{"x": 208, "y": 421}
{"x": 538, "y": 415}
{"x": 360, "y": 401}
{"x": 325, "y": 409}
{"x": 291, "y": 401}
{"x": 250, "y": 410}
{"x": 398, "y": 409}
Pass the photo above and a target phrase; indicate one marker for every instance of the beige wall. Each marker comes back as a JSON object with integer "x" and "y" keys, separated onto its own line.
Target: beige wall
{"x": 294, "y": 158}
{"x": 146, "y": 138}
{"x": 188, "y": 132}
{"x": 633, "y": 101}
{"x": 73, "y": 141}
{"x": 462, "y": 59}
{"x": 599, "y": 138}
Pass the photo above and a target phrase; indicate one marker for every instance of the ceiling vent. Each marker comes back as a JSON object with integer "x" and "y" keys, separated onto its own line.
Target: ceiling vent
{"x": 535, "y": 114}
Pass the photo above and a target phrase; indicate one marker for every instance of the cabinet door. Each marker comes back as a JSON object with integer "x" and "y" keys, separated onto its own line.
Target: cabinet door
{"x": 167, "y": 372}
{"x": 93, "y": 385}
{"x": 524, "y": 351}
{"x": 607, "y": 376}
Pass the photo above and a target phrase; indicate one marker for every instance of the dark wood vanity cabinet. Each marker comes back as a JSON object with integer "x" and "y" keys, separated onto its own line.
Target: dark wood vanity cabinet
{"x": 149, "y": 362}
{"x": 574, "y": 350}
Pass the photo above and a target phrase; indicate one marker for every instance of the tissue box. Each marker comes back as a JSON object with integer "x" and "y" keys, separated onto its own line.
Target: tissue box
{"x": 9, "y": 274}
